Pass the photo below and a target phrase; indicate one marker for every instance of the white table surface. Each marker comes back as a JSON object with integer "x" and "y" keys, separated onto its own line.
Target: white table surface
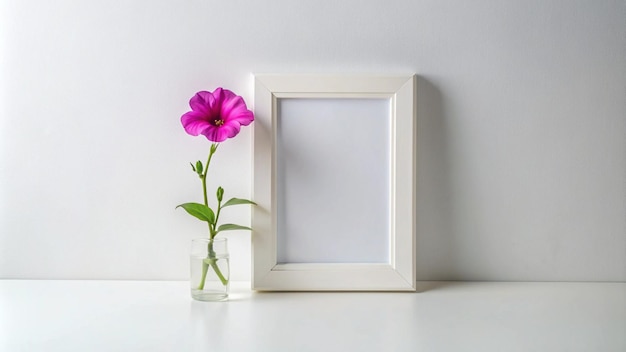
{"x": 443, "y": 316}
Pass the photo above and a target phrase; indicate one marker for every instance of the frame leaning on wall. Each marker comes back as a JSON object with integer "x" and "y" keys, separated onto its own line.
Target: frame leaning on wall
{"x": 281, "y": 261}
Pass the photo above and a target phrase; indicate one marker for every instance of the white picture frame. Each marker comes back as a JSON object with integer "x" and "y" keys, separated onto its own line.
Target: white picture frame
{"x": 396, "y": 272}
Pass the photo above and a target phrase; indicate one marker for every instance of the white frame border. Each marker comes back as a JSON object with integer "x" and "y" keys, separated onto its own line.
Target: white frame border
{"x": 399, "y": 274}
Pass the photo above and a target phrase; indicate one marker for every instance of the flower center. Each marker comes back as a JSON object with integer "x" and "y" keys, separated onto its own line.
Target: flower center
{"x": 218, "y": 122}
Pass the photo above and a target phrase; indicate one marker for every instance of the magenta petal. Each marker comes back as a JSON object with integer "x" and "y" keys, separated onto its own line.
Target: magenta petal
{"x": 202, "y": 101}
{"x": 231, "y": 129}
{"x": 220, "y": 94}
{"x": 232, "y": 104}
{"x": 243, "y": 117}
{"x": 211, "y": 134}
{"x": 220, "y": 134}
{"x": 235, "y": 110}
{"x": 194, "y": 123}
{"x": 215, "y": 134}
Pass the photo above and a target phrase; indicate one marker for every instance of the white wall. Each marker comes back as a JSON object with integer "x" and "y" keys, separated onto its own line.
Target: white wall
{"x": 522, "y": 126}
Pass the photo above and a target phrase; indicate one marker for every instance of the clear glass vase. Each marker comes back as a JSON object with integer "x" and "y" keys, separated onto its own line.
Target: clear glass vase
{"x": 210, "y": 269}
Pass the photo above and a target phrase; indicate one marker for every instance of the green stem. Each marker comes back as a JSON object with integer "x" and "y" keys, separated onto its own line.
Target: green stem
{"x": 218, "y": 272}
{"x": 204, "y": 272}
{"x": 215, "y": 268}
{"x": 206, "y": 200}
{"x": 212, "y": 229}
{"x": 212, "y": 258}
{"x": 204, "y": 193}
{"x": 217, "y": 216}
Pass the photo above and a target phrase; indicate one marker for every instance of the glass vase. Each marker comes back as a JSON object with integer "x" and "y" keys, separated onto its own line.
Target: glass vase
{"x": 210, "y": 269}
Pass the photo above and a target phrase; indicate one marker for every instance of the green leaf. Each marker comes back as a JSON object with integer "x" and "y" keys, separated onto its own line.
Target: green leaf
{"x": 192, "y": 167}
{"x": 237, "y": 201}
{"x": 230, "y": 227}
{"x": 199, "y": 211}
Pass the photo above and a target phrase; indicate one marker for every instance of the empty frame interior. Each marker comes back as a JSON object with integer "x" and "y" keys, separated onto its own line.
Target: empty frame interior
{"x": 333, "y": 162}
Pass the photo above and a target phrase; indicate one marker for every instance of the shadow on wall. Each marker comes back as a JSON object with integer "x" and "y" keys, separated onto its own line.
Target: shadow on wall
{"x": 436, "y": 245}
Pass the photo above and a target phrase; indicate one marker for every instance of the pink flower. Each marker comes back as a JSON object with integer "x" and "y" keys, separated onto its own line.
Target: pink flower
{"x": 218, "y": 115}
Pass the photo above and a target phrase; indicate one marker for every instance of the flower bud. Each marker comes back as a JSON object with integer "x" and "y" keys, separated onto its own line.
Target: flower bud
{"x": 199, "y": 168}
{"x": 220, "y": 194}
